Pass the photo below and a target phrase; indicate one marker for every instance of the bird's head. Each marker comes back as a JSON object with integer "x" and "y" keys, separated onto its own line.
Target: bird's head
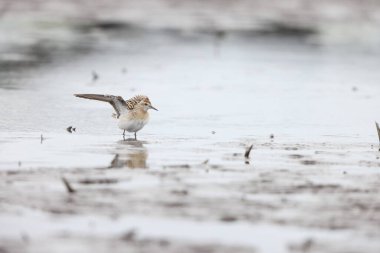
{"x": 146, "y": 105}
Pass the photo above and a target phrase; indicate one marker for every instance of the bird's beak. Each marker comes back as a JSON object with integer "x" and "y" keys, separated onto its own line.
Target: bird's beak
{"x": 151, "y": 107}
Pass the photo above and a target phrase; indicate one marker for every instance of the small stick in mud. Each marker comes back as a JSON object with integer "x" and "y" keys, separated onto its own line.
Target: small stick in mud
{"x": 68, "y": 186}
{"x": 248, "y": 151}
{"x": 378, "y": 130}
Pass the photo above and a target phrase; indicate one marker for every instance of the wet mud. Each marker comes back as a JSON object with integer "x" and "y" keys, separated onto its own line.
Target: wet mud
{"x": 260, "y": 145}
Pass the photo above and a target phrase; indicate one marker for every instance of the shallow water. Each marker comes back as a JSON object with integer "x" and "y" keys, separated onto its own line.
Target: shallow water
{"x": 319, "y": 172}
{"x": 243, "y": 89}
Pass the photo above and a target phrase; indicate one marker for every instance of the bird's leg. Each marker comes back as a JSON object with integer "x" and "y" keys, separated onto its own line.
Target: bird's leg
{"x": 124, "y": 134}
{"x": 135, "y": 136}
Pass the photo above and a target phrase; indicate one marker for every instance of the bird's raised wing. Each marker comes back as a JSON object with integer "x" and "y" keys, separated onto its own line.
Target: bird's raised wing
{"x": 117, "y": 102}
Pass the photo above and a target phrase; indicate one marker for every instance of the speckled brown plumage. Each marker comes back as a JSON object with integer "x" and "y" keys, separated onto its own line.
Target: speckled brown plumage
{"x": 132, "y": 102}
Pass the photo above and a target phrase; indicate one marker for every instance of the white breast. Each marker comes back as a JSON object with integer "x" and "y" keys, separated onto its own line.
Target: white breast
{"x": 131, "y": 125}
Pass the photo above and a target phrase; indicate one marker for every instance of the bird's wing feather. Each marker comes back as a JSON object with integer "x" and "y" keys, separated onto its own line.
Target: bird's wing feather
{"x": 117, "y": 102}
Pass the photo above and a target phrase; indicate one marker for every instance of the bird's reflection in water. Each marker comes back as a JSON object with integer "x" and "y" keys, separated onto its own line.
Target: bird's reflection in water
{"x": 129, "y": 153}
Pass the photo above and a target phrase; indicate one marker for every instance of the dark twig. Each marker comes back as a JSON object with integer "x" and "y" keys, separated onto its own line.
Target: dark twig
{"x": 378, "y": 130}
{"x": 248, "y": 151}
{"x": 68, "y": 186}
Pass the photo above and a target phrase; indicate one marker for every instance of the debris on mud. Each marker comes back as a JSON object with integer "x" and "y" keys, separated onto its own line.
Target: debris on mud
{"x": 309, "y": 162}
{"x": 98, "y": 181}
{"x": 177, "y": 166}
{"x": 296, "y": 156}
{"x": 71, "y": 129}
{"x": 67, "y": 185}
{"x": 228, "y": 218}
{"x": 248, "y": 151}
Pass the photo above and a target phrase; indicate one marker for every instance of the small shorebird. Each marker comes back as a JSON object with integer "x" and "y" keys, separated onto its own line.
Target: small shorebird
{"x": 132, "y": 113}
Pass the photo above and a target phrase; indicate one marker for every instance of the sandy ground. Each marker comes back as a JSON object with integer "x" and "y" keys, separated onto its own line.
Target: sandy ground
{"x": 311, "y": 183}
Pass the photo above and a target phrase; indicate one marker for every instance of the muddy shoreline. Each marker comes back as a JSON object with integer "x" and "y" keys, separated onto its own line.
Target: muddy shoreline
{"x": 310, "y": 184}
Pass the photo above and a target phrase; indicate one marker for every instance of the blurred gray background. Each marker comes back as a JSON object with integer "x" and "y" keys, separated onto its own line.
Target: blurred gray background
{"x": 351, "y": 24}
